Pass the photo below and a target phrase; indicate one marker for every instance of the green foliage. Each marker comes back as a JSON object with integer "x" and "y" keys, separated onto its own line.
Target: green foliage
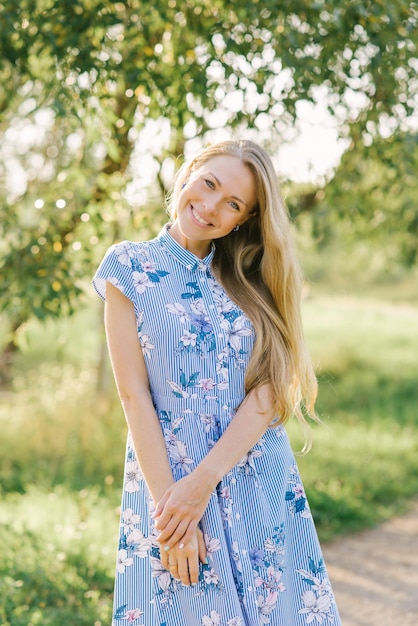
{"x": 370, "y": 206}
{"x": 167, "y": 50}
{"x": 81, "y": 80}
{"x": 374, "y": 196}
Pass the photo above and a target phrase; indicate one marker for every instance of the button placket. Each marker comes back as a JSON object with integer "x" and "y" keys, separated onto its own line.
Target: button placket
{"x": 218, "y": 331}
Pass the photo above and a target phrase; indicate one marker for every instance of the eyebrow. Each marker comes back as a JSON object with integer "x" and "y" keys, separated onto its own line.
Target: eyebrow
{"x": 220, "y": 185}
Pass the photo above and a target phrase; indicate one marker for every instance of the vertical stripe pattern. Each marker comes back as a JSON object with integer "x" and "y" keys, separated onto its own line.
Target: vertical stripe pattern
{"x": 265, "y": 565}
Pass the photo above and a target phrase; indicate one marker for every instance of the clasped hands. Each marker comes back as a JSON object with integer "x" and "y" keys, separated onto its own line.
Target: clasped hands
{"x": 177, "y": 516}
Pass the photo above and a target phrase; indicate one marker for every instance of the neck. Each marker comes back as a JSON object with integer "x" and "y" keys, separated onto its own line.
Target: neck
{"x": 199, "y": 248}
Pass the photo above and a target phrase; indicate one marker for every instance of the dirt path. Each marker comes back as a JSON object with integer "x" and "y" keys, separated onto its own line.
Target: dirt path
{"x": 375, "y": 574}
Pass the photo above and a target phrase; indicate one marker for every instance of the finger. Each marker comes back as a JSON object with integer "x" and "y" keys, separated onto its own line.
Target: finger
{"x": 185, "y": 534}
{"x": 173, "y": 533}
{"x": 194, "y": 570}
{"x": 173, "y": 569}
{"x": 159, "y": 507}
{"x": 166, "y": 528}
{"x": 164, "y": 559}
{"x": 162, "y": 520}
{"x": 201, "y": 548}
{"x": 183, "y": 571}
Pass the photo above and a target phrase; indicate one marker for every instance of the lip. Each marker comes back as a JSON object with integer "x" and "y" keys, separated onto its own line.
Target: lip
{"x": 197, "y": 217}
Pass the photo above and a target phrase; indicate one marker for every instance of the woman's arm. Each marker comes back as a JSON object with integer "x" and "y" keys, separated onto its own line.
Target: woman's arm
{"x": 132, "y": 383}
{"x": 148, "y": 440}
{"x": 184, "y": 503}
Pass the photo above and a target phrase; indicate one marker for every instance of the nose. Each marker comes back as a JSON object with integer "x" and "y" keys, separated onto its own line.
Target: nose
{"x": 211, "y": 204}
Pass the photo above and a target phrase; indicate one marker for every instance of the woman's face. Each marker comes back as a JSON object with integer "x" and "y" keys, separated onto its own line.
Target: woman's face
{"x": 217, "y": 197}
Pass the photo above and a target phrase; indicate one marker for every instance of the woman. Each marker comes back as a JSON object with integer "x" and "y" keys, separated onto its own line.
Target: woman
{"x": 205, "y": 337}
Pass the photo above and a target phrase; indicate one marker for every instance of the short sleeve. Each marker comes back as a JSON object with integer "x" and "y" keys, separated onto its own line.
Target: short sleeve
{"x": 116, "y": 268}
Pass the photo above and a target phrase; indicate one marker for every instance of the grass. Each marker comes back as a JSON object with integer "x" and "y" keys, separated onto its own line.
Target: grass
{"x": 62, "y": 447}
{"x": 57, "y": 561}
{"x": 364, "y": 464}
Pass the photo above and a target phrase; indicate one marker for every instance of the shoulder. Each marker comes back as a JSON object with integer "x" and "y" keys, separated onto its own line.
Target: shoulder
{"x": 127, "y": 251}
{"x": 126, "y": 265}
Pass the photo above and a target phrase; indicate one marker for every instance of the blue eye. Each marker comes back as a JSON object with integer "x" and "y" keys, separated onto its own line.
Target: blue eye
{"x": 234, "y": 205}
{"x": 209, "y": 183}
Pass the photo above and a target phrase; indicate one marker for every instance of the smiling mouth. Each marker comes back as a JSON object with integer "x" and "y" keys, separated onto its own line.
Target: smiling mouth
{"x": 198, "y": 218}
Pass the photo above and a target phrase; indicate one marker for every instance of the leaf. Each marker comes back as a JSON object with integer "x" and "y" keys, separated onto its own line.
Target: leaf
{"x": 193, "y": 378}
{"x": 300, "y": 504}
{"x": 289, "y": 495}
{"x": 120, "y": 611}
{"x": 154, "y": 278}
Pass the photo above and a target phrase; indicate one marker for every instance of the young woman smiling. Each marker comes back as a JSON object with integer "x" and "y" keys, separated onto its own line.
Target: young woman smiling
{"x": 205, "y": 336}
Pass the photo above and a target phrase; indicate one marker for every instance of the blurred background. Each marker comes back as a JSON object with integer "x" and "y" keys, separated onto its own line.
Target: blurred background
{"x": 100, "y": 103}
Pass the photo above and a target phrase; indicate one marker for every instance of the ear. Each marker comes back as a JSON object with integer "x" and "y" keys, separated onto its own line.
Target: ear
{"x": 248, "y": 217}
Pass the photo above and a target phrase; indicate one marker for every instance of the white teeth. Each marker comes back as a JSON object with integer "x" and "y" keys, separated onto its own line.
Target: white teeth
{"x": 199, "y": 219}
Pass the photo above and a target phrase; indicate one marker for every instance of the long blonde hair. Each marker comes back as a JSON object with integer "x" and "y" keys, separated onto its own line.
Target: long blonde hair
{"x": 258, "y": 268}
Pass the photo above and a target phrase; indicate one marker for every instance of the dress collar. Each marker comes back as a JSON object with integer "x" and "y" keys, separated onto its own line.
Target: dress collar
{"x": 187, "y": 258}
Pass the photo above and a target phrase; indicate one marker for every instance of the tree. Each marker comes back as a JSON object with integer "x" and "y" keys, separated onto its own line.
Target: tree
{"x": 90, "y": 74}
{"x": 373, "y": 197}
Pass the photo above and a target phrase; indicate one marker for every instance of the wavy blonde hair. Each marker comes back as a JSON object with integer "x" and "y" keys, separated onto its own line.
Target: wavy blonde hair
{"x": 258, "y": 267}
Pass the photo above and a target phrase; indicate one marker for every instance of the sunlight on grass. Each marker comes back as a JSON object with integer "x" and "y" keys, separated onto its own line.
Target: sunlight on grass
{"x": 364, "y": 463}
{"x": 71, "y": 434}
{"x": 344, "y": 329}
{"x": 57, "y": 558}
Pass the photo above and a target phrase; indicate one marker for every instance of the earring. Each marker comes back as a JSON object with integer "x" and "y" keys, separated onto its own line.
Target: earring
{"x": 236, "y": 228}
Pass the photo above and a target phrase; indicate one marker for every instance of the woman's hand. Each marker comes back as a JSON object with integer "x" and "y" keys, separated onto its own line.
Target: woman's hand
{"x": 180, "y": 510}
{"x": 183, "y": 563}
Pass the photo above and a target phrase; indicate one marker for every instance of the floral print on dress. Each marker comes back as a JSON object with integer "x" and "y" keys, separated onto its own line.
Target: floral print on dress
{"x": 246, "y": 464}
{"x": 209, "y": 580}
{"x": 166, "y": 584}
{"x": 176, "y": 448}
{"x": 145, "y": 274}
{"x": 124, "y": 253}
{"x": 197, "y": 336}
{"x": 133, "y": 477}
{"x": 318, "y": 599}
{"x": 132, "y": 544}
{"x": 295, "y": 495}
{"x": 267, "y": 571}
{"x": 144, "y": 340}
{"x": 214, "y": 619}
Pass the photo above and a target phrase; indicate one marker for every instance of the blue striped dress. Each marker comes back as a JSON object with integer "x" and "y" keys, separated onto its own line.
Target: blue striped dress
{"x": 265, "y": 565}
